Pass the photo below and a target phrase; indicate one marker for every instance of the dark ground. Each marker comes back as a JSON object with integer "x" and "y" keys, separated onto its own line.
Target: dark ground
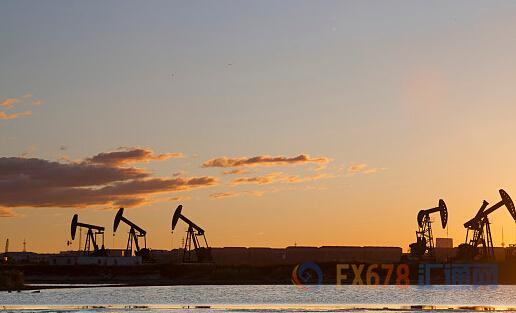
{"x": 205, "y": 274}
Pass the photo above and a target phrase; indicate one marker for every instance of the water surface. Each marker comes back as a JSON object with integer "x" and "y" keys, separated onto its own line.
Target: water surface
{"x": 286, "y": 298}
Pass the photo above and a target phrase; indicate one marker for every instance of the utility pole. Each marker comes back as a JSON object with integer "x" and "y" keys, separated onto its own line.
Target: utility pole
{"x": 503, "y": 241}
{"x": 6, "y": 250}
{"x": 80, "y": 239}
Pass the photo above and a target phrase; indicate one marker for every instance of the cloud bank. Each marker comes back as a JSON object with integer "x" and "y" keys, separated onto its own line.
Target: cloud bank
{"x": 100, "y": 180}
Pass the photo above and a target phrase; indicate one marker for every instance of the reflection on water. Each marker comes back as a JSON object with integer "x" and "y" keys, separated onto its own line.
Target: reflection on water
{"x": 262, "y": 298}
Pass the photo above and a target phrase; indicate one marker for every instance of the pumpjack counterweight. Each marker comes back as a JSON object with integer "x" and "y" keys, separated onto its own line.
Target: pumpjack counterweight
{"x": 192, "y": 243}
{"x": 424, "y": 246}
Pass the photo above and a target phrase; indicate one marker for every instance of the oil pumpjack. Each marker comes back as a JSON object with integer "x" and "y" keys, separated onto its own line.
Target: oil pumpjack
{"x": 425, "y": 240}
{"x": 91, "y": 236}
{"x": 480, "y": 245}
{"x": 135, "y": 233}
{"x": 202, "y": 254}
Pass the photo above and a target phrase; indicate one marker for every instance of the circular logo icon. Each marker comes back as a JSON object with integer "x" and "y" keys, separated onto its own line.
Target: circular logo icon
{"x": 307, "y": 275}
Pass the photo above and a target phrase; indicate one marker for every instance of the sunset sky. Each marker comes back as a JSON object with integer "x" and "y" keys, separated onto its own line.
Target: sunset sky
{"x": 274, "y": 123}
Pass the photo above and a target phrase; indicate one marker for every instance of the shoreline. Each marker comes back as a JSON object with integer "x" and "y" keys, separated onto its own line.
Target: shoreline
{"x": 272, "y": 307}
{"x": 50, "y": 286}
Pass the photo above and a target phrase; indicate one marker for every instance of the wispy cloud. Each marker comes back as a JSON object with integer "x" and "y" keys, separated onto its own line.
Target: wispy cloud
{"x": 12, "y": 116}
{"x": 362, "y": 168}
{"x": 130, "y": 155}
{"x": 264, "y": 160}
{"x": 279, "y": 177}
{"x": 10, "y": 103}
{"x": 237, "y": 171}
{"x": 33, "y": 182}
{"x": 29, "y": 151}
{"x": 260, "y": 180}
{"x": 222, "y": 195}
{"x": 130, "y": 202}
{"x": 232, "y": 194}
{"x": 180, "y": 198}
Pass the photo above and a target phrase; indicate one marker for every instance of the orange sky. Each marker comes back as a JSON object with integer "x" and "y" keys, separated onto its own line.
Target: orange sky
{"x": 301, "y": 123}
